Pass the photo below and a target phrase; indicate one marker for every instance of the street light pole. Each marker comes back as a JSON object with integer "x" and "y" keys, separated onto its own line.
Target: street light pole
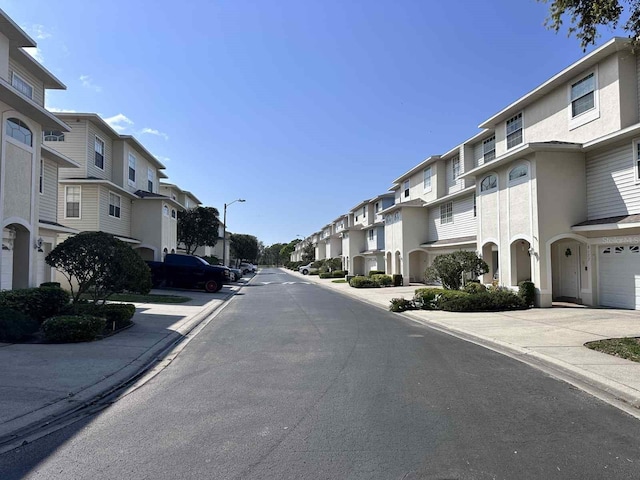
{"x": 224, "y": 230}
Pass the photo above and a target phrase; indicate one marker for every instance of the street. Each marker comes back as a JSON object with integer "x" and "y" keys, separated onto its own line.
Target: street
{"x": 293, "y": 381}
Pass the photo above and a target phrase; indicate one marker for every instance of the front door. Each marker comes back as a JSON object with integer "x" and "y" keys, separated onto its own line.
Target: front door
{"x": 569, "y": 255}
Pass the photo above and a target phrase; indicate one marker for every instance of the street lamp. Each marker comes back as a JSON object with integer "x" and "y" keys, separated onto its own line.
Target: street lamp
{"x": 224, "y": 230}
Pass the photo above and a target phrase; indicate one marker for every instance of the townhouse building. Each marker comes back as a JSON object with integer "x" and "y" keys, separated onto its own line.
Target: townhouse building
{"x": 547, "y": 191}
{"x": 116, "y": 187}
{"x": 28, "y": 168}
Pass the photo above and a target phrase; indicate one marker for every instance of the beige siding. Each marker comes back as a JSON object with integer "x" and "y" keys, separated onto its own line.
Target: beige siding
{"x": 109, "y": 224}
{"x": 38, "y": 86}
{"x": 74, "y": 147}
{"x": 463, "y": 225}
{"x": 17, "y": 181}
{"x": 88, "y": 220}
{"x": 611, "y": 186}
{"x": 49, "y": 195}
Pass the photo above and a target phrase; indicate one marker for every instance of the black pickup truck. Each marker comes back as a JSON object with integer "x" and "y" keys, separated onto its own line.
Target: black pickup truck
{"x": 188, "y": 271}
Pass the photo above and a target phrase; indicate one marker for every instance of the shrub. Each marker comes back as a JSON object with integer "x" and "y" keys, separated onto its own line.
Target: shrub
{"x": 326, "y": 275}
{"x": 72, "y": 328}
{"x": 425, "y": 298}
{"x": 116, "y": 315}
{"x": 527, "y": 291}
{"x": 382, "y": 279}
{"x": 363, "y": 282}
{"x": 397, "y": 280}
{"x": 15, "y": 326}
{"x": 317, "y": 264}
{"x": 450, "y": 268}
{"x": 339, "y": 273}
{"x": 474, "y": 287}
{"x": 376, "y": 272}
{"x": 314, "y": 273}
{"x": 50, "y": 284}
{"x": 498, "y": 300}
{"x": 401, "y": 305}
{"x": 37, "y": 303}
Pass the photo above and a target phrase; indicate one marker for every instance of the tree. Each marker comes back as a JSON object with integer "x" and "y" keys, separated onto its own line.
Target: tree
{"x": 451, "y": 269}
{"x": 308, "y": 253}
{"x": 244, "y": 247}
{"x": 198, "y": 227}
{"x": 100, "y": 264}
{"x": 587, "y": 15}
{"x": 288, "y": 249}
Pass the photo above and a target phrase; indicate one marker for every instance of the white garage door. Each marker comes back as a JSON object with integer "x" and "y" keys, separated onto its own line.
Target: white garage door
{"x": 41, "y": 268}
{"x": 6, "y": 276}
{"x": 620, "y": 276}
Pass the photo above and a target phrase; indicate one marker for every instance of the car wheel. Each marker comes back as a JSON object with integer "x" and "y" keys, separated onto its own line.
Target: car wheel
{"x": 305, "y": 272}
{"x": 211, "y": 286}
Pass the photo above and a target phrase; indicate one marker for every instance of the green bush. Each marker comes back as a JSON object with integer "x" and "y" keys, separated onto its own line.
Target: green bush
{"x": 38, "y": 303}
{"x": 527, "y": 291}
{"x": 376, "y": 272}
{"x": 363, "y": 282}
{"x": 314, "y": 273}
{"x": 425, "y": 298}
{"x": 317, "y": 264}
{"x": 326, "y": 275}
{"x": 339, "y": 273}
{"x": 118, "y": 313}
{"x": 449, "y": 269}
{"x": 72, "y": 328}
{"x": 382, "y": 280}
{"x": 397, "y": 280}
{"x": 474, "y": 287}
{"x": 494, "y": 301}
{"x": 16, "y": 326}
{"x": 50, "y": 284}
{"x": 401, "y": 305}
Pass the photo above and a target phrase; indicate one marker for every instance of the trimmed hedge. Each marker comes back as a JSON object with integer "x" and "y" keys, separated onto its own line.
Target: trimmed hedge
{"x": 339, "y": 273}
{"x": 118, "y": 313}
{"x": 363, "y": 282}
{"x": 73, "y": 328}
{"x": 16, "y": 326}
{"x": 326, "y": 275}
{"x": 498, "y": 300}
{"x": 474, "y": 287}
{"x": 376, "y": 272}
{"x": 38, "y": 303}
{"x": 527, "y": 291}
{"x": 382, "y": 280}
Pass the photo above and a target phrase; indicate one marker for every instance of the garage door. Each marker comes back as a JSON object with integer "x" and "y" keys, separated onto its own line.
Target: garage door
{"x": 41, "y": 278}
{"x": 620, "y": 276}
{"x": 6, "y": 275}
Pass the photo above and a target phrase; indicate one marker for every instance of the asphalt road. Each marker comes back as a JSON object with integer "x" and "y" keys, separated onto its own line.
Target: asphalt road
{"x": 292, "y": 381}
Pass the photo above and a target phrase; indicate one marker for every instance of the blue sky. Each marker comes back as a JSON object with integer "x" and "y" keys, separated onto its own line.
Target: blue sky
{"x": 303, "y": 108}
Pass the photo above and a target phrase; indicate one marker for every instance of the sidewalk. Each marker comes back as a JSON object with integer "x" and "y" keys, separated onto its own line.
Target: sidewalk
{"x": 40, "y": 382}
{"x": 551, "y": 338}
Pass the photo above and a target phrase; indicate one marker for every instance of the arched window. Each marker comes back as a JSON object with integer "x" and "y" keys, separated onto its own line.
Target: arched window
{"x": 19, "y": 130}
{"x": 490, "y": 182}
{"x": 518, "y": 172}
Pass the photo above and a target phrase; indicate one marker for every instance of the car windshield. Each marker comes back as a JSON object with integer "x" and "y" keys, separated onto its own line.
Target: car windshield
{"x": 203, "y": 260}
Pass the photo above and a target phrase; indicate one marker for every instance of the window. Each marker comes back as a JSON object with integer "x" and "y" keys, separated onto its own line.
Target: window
{"x": 490, "y": 182}
{"x": 446, "y": 213}
{"x": 377, "y": 207}
{"x": 41, "y": 180}
{"x": 21, "y": 85}
{"x": 364, "y": 212}
{"x": 132, "y": 169}
{"x": 19, "y": 131}
{"x": 72, "y": 202}
{"x": 489, "y": 149}
{"x": 165, "y": 210}
{"x": 114, "y": 205}
{"x": 99, "y": 153}
{"x": 518, "y": 172}
{"x": 426, "y": 179}
{"x": 406, "y": 188}
{"x": 583, "y": 94}
{"x": 618, "y": 250}
{"x": 173, "y": 213}
{"x": 455, "y": 168}
{"x": 634, "y": 249}
{"x": 150, "y": 179}
{"x": 475, "y": 205}
{"x": 52, "y": 136}
{"x": 637, "y": 161}
{"x": 186, "y": 202}
{"x": 371, "y": 234}
{"x": 514, "y": 131}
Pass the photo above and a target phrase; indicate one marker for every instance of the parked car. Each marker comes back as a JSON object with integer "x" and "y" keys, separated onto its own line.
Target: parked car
{"x": 247, "y": 268}
{"x": 307, "y": 269}
{"x": 188, "y": 271}
{"x": 237, "y": 274}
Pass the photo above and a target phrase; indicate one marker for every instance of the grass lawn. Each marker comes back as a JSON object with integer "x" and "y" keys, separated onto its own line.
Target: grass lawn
{"x": 628, "y": 348}
{"x": 340, "y": 280}
{"x": 151, "y": 298}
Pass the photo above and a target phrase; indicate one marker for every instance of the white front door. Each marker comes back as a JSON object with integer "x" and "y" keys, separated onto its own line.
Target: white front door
{"x": 6, "y": 276}
{"x": 619, "y": 276}
{"x": 569, "y": 253}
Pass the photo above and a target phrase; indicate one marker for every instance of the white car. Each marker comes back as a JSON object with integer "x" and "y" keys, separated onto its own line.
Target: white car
{"x": 247, "y": 267}
{"x": 306, "y": 269}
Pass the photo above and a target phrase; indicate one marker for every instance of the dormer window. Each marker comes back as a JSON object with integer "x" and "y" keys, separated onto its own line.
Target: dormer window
{"x": 21, "y": 85}
{"x": 99, "y": 154}
{"x": 489, "y": 149}
{"x": 514, "y": 131}
{"x": 19, "y": 131}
